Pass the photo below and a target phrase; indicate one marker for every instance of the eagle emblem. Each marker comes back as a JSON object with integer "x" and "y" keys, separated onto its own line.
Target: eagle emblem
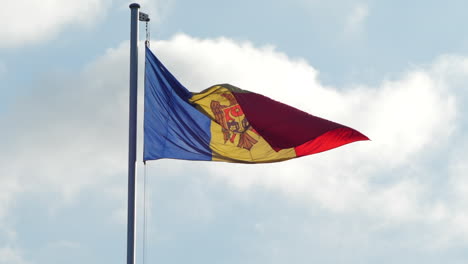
{"x": 233, "y": 122}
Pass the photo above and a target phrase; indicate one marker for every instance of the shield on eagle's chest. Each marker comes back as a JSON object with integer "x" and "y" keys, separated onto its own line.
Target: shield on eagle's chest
{"x": 233, "y": 122}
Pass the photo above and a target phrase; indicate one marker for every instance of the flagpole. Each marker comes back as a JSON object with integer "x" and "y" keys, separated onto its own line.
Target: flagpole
{"x": 132, "y": 135}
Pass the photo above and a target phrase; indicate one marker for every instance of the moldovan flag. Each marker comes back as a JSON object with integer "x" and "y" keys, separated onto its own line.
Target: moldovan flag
{"x": 226, "y": 123}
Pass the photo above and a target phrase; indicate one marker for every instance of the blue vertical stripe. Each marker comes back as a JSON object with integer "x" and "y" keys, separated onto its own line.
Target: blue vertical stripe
{"x": 173, "y": 128}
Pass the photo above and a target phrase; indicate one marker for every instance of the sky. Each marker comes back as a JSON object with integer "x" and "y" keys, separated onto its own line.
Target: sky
{"x": 394, "y": 70}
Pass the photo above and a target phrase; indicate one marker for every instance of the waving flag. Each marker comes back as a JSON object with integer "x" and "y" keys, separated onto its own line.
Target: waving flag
{"x": 226, "y": 123}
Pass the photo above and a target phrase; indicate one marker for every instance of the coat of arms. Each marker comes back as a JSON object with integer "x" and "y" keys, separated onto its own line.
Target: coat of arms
{"x": 233, "y": 122}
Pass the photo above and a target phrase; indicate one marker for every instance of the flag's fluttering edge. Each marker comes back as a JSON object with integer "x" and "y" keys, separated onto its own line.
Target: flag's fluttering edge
{"x": 225, "y": 123}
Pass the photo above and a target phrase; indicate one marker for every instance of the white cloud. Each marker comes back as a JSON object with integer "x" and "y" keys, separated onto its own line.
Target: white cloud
{"x": 67, "y": 139}
{"x": 406, "y": 118}
{"x": 67, "y": 136}
{"x": 76, "y": 139}
{"x": 29, "y": 21}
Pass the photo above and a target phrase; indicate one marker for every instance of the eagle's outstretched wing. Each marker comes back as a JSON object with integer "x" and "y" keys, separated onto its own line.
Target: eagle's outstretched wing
{"x": 217, "y": 110}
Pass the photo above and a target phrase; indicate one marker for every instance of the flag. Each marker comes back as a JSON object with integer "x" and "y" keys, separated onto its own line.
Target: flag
{"x": 226, "y": 123}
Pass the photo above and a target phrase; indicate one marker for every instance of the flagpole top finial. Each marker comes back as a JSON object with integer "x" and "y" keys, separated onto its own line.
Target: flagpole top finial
{"x": 134, "y": 5}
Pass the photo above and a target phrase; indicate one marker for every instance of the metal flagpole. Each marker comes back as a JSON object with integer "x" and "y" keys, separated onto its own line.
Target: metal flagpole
{"x": 132, "y": 135}
{"x": 136, "y": 16}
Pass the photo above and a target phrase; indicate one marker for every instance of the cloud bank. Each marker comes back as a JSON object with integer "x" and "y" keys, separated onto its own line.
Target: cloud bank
{"x": 71, "y": 137}
{"x": 30, "y": 21}
{"x": 410, "y": 119}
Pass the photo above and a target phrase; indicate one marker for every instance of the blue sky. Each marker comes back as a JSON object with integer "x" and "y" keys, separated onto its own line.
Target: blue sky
{"x": 396, "y": 71}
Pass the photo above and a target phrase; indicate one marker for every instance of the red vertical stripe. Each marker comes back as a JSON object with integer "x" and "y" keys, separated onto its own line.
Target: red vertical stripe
{"x": 283, "y": 126}
{"x": 329, "y": 140}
